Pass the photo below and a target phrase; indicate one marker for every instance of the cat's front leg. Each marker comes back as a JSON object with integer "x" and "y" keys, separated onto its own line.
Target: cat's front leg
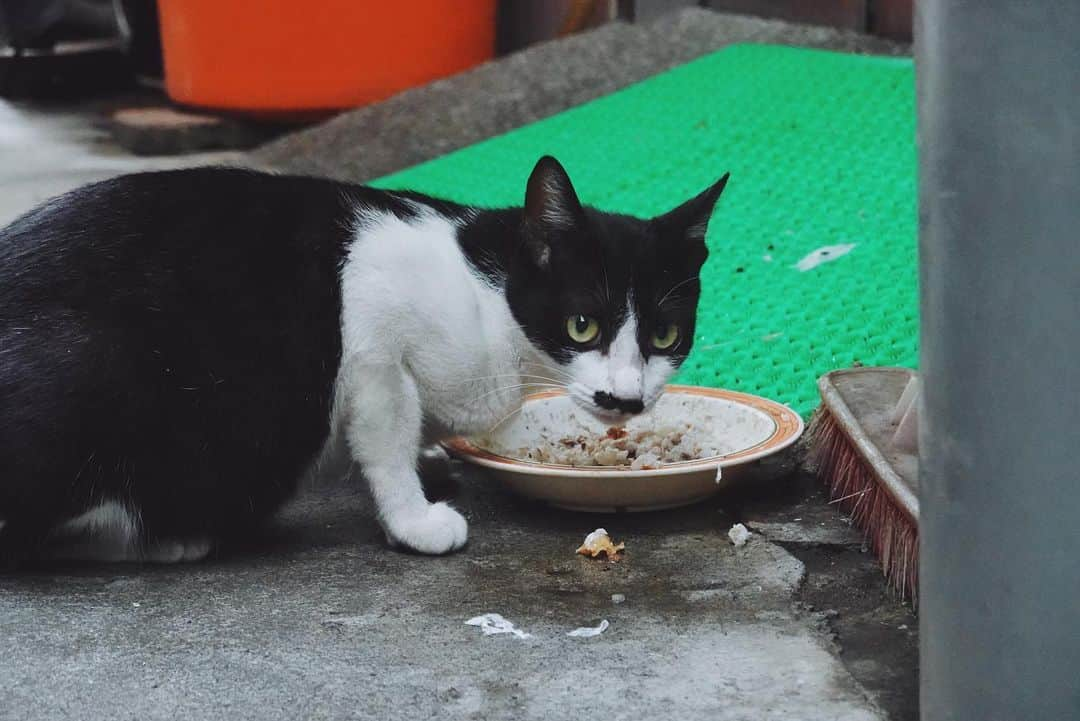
{"x": 384, "y": 433}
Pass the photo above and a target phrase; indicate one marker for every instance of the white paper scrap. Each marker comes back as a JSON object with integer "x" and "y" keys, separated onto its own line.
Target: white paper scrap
{"x": 493, "y": 623}
{"x": 586, "y": 632}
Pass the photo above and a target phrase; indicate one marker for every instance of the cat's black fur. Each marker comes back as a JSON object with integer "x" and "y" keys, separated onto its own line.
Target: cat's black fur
{"x": 170, "y": 337}
{"x": 171, "y": 340}
{"x": 600, "y": 262}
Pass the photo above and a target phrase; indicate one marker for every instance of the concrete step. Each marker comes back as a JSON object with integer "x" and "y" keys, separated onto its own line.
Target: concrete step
{"x": 432, "y": 120}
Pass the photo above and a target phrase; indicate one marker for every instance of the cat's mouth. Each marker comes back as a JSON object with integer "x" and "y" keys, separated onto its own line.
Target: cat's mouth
{"x": 611, "y": 418}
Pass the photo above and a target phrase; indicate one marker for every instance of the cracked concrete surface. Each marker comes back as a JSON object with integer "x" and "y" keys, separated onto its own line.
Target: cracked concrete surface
{"x": 320, "y": 620}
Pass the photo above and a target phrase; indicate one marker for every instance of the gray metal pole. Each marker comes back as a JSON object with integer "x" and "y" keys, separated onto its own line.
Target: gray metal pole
{"x": 999, "y": 138}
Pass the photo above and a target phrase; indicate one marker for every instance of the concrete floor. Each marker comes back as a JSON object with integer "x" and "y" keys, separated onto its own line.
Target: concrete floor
{"x": 47, "y": 150}
{"x": 318, "y": 619}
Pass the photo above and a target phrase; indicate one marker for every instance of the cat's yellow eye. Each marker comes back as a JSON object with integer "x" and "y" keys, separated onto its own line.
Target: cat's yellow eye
{"x": 582, "y": 329}
{"x": 665, "y": 336}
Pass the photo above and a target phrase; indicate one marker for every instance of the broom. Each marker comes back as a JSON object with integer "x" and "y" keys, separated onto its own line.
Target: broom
{"x": 862, "y": 440}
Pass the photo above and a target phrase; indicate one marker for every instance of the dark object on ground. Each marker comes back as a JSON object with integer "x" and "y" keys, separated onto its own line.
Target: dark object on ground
{"x": 164, "y": 130}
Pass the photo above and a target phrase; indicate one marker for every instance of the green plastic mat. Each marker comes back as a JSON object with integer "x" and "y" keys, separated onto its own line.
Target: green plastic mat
{"x": 821, "y": 149}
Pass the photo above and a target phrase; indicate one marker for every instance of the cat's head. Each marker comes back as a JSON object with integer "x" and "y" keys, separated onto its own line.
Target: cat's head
{"x": 610, "y": 299}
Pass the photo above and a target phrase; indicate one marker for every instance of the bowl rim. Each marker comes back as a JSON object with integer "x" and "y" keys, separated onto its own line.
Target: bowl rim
{"x": 788, "y": 427}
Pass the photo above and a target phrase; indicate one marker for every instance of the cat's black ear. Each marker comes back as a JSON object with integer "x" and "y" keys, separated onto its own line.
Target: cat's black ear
{"x": 551, "y": 207}
{"x": 690, "y": 220}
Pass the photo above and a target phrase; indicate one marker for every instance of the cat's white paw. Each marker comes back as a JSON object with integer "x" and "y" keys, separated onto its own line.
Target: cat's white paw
{"x": 434, "y": 528}
{"x": 177, "y": 551}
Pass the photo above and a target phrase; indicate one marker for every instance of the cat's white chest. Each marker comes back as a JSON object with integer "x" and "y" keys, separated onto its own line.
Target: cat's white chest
{"x": 411, "y": 299}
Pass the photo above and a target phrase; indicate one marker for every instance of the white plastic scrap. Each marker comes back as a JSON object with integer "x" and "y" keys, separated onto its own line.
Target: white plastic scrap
{"x": 824, "y": 254}
{"x": 617, "y": 598}
{"x": 738, "y": 534}
{"x": 586, "y": 632}
{"x": 493, "y": 623}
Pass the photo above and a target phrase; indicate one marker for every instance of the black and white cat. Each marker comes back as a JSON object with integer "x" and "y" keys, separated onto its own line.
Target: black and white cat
{"x": 178, "y": 348}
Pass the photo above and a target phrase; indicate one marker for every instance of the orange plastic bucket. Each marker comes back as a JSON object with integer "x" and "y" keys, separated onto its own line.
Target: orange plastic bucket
{"x": 288, "y": 56}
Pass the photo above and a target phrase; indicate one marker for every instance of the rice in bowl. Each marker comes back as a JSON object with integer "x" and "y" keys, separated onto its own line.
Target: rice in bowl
{"x": 638, "y": 450}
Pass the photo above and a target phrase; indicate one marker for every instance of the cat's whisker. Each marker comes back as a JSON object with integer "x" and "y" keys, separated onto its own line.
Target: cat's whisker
{"x": 565, "y": 378}
{"x": 676, "y": 287}
{"x": 559, "y": 381}
{"x": 508, "y": 375}
{"x": 505, "y": 418}
{"x": 539, "y": 364}
{"x": 515, "y": 386}
{"x": 607, "y": 288}
{"x": 555, "y": 381}
{"x": 551, "y": 369}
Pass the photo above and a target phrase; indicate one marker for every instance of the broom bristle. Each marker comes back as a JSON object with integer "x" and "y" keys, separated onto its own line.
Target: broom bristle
{"x": 853, "y": 487}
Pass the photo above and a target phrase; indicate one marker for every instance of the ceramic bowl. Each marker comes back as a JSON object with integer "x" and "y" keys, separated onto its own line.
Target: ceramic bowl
{"x": 747, "y": 429}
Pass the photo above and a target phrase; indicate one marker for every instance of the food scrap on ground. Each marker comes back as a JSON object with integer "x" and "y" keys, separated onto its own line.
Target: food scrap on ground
{"x": 599, "y": 542}
{"x": 738, "y": 534}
